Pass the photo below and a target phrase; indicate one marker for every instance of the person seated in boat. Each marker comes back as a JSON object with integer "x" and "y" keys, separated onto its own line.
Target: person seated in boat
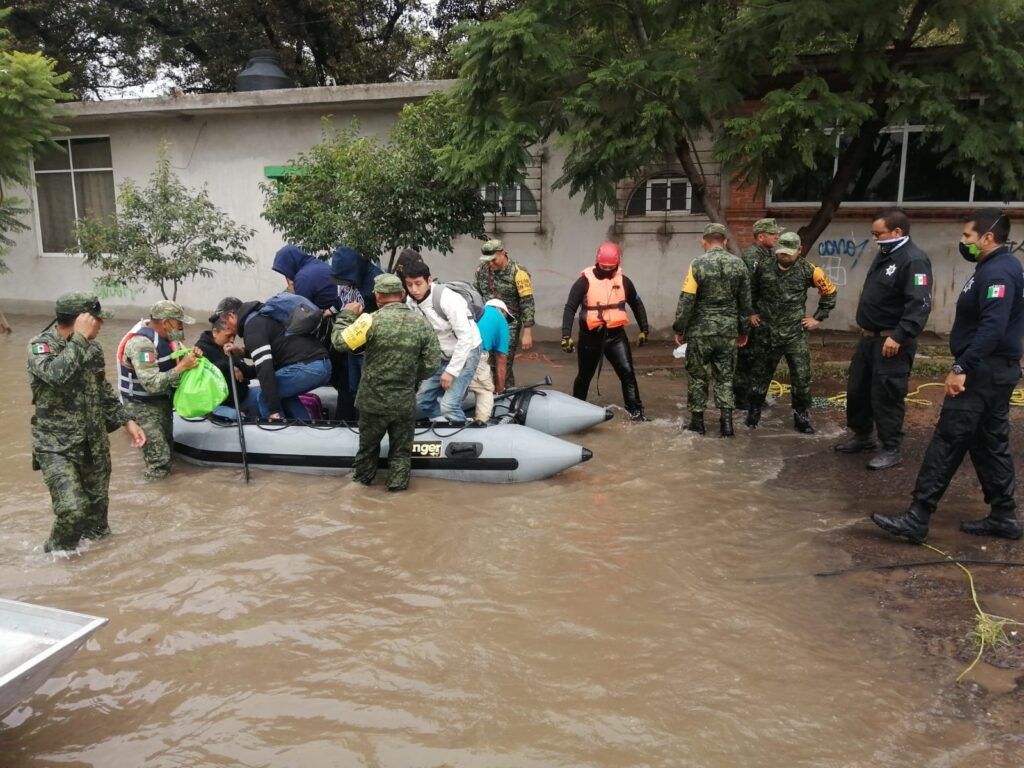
{"x": 217, "y": 344}
{"x": 287, "y": 365}
{"x": 494, "y": 340}
{"x": 440, "y": 396}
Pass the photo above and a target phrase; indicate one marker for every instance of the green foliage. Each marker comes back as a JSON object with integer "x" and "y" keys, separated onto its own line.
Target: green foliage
{"x": 377, "y": 197}
{"x": 161, "y": 235}
{"x": 29, "y": 98}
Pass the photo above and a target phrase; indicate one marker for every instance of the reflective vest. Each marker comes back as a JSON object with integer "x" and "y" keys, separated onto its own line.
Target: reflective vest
{"x": 128, "y": 383}
{"x": 605, "y": 303}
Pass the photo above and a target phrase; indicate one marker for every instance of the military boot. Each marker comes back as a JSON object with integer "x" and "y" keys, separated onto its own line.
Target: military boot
{"x": 637, "y": 414}
{"x": 802, "y": 422}
{"x": 857, "y": 444}
{"x": 1002, "y": 523}
{"x": 912, "y": 525}
{"x": 696, "y": 422}
{"x": 886, "y": 458}
{"x": 725, "y": 422}
{"x": 753, "y": 417}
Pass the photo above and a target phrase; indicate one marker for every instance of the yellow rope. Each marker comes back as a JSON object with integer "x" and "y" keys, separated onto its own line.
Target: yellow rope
{"x": 777, "y": 389}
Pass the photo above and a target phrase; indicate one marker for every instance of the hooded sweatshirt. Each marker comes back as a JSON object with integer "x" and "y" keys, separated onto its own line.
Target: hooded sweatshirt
{"x": 351, "y": 267}
{"x": 311, "y": 276}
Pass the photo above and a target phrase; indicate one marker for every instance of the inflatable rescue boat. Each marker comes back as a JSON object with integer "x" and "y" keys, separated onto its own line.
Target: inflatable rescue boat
{"x": 496, "y": 453}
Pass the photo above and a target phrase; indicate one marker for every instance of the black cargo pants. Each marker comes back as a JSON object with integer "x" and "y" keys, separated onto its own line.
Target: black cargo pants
{"x": 876, "y": 389}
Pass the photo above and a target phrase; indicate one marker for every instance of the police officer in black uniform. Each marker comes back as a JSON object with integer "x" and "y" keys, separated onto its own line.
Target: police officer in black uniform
{"x": 975, "y": 417}
{"x": 893, "y": 309}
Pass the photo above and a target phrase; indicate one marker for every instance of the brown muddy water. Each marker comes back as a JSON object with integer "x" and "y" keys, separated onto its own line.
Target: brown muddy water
{"x": 623, "y": 613}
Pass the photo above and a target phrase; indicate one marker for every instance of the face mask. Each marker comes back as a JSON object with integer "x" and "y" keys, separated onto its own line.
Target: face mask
{"x": 602, "y": 271}
{"x": 970, "y": 252}
{"x": 176, "y": 334}
{"x": 888, "y": 246}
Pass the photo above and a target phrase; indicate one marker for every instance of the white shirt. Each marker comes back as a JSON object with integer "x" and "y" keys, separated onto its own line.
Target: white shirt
{"x": 456, "y": 331}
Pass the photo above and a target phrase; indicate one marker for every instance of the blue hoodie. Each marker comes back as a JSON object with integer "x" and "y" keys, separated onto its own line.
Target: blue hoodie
{"x": 359, "y": 271}
{"x": 311, "y": 276}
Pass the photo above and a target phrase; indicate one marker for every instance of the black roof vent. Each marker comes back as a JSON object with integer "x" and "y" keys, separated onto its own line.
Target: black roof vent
{"x": 263, "y": 72}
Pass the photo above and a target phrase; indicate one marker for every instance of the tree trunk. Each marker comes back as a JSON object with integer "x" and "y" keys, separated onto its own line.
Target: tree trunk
{"x": 391, "y": 261}
{"x": 684, "y": 153}
{"x": 5, "y": 327}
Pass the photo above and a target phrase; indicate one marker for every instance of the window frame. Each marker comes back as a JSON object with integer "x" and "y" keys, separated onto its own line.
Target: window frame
{"x": 906, "y": 129}
{"x": 70, "y": 170}
{"x": 501, "y": 212}
{"x": 644, "y": 187}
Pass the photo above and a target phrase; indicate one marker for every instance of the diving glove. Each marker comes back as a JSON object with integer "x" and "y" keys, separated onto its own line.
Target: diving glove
{"x": 641, "y": 339}
{"x": 567, "y": 345}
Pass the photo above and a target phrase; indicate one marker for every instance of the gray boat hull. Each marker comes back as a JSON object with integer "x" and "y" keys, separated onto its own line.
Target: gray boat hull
{"x": 499, "y": 453}
{"x": 34, "y": 641}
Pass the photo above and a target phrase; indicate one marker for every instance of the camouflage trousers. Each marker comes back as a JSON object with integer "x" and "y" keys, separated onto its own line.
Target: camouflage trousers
{"x": 514, "y": 331}
{"x": 743, "y": 379}
{"x": 156, "y": 420}
{"x": 766, "y": 359}
{"x": 710, "y": 358}
{"x": 78, "y": 481}
{"x": 400, "y": 428}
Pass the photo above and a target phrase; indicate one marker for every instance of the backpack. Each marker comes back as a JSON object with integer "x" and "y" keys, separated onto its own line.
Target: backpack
{"x": 466, "y": 291}
{"x": 298, "y": 315}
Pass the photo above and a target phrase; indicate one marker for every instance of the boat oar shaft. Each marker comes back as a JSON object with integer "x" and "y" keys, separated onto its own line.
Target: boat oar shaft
{"x": 238, "y": 418}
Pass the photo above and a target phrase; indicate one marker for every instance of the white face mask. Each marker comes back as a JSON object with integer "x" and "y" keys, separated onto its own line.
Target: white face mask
{"x": 888, "y": 246}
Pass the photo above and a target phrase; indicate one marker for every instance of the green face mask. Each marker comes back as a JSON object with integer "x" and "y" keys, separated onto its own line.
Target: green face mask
{"x": 970, "y": 251}
{"x": 176, "y": 334}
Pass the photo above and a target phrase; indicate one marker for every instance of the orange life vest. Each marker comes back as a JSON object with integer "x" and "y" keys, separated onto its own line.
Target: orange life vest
{"x": 605, "y": 304}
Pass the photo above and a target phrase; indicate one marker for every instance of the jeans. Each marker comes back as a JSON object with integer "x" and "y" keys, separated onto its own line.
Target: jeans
{"x": 248, "y": 405}
{"x": 292, "y": 381}
{"x": 437, "y": 403}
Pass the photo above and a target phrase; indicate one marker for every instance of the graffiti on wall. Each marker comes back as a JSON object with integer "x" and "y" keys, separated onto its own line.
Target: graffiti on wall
{"x": 831, "y": 254}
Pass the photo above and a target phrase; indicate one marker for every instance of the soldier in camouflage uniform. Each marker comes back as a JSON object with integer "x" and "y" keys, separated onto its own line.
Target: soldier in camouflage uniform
{"x": 151, "y": 358}
{"x": 75, "y": 409}
{"x": 713, "y": 318}
{"x": 780, "y": 296}
{"x": 766, "y": 237}
{"x": 499, "y": 278}
{"x": 401, "y": 350}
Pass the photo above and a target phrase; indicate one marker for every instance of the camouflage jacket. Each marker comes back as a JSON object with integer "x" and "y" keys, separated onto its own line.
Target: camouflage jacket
{"x": 512, "y": 285}
{"x": 715, "y": 299}
{"x": 75, "y": 404}
{"x": 141, "y": 353}
{"x": 401, "y": 350}
{"x": 780, "y": 296}
{"x": 753, "y": 254}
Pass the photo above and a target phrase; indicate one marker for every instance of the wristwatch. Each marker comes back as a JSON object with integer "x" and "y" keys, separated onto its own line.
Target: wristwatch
{"x": 957, "y": 369}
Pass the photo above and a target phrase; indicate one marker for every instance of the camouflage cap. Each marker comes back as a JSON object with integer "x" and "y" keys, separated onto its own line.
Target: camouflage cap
{"x": 490, "y": 248}
{"x": 168, "y": 310}
{"x": 387, "y": 283}
{"x": 789, "y": 243}
{"x": 716, "y": 229}
{"x": 75, "y": 303}
{"x": 766, "y": 227}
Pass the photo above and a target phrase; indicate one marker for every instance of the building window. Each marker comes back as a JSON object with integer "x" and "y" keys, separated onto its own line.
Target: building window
{"x": 662, "y": 195}
{"x": 74, "y": 180}
{"x": 902, "y": 168}
{"x": 510, "y": 199}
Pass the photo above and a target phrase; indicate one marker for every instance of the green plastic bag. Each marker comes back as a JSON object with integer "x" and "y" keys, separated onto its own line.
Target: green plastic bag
{"x": 200, "y": 390}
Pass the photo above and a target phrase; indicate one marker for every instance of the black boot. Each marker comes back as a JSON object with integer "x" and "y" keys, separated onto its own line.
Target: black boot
{"x": 913, "y": 524}
{"x": 725, "y": 421}
{"x": 637, "y": 414}
{"x": 886, "y": 458}
{"x": 753, "y": 417}
{"x": 1002, "y": 523}
{"x": 857, "y": 444}
{"x": 697, "y": 422}
{"x": 802, "y": 422}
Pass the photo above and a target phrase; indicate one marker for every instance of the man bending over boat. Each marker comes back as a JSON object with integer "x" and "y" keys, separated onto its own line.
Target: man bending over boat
{"x": 400, "y": 350}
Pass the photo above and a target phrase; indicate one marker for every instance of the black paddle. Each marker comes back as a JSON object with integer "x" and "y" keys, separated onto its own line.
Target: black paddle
{"x": 516, "y": 390}
{"x": 238, "y": 416}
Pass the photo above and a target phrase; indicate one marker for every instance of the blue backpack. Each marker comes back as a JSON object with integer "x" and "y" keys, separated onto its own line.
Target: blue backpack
{"x": 298, "y": 315}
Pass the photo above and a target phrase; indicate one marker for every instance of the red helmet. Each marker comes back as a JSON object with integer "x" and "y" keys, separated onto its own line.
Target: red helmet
{"x": 609, "y": 255}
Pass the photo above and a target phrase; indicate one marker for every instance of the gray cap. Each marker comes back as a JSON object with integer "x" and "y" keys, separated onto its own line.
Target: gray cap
{"x": 789, "y": 243}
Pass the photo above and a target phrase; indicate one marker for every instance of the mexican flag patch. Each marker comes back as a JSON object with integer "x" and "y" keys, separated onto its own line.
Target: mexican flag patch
{"x": 147, "y": 357}
{"x": 920, "y": 279}
{"x": 41, "y": 348}
{"x": 996, "y": 292}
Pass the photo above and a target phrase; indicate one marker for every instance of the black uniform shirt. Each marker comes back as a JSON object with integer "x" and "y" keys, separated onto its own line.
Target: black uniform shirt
{"x": 990, "y": 312}
{"x": 897, "y": 293}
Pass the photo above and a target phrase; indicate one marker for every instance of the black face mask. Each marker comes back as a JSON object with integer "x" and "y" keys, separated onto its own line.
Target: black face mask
{"x": 888, "y": 246}
{"x": 969, "y": 252}
{"x": 604, "y": 273}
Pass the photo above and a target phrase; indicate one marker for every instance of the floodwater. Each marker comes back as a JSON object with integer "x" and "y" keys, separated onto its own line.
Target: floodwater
{"x": 624, "y": 613}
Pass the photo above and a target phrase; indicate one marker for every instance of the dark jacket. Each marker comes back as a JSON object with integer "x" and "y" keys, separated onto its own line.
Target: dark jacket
{"x": 897, "y": 293}
{"x": 311, "y": 276}
{"x": 989, "y": 318}
{"x": 271, "y": 350}
{"x": 213, "y": 352}
{"x": 352, "y": 268}
{"x": 578, "y": 292}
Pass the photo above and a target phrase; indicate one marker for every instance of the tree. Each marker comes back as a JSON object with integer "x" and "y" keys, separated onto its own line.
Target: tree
{"x": 620, "y": 85}
{"x": 377, "y": 197}
{"x": 29, "y": 97}
{"x": 161, "y": 235}
{"x": 956, "y": 66}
